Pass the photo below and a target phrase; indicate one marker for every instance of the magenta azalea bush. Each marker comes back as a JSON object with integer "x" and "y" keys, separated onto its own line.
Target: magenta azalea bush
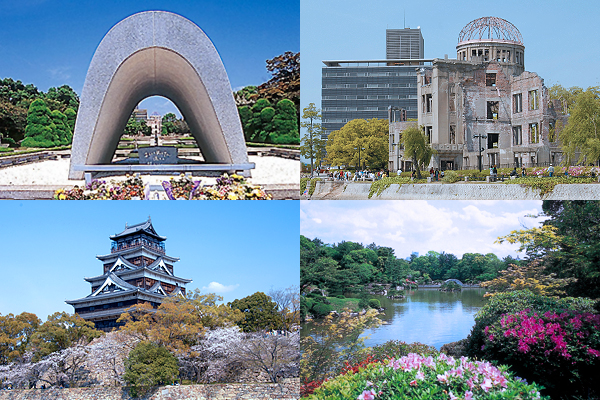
{"x": 418, "y": 377}
{"x": 557, "y": 350}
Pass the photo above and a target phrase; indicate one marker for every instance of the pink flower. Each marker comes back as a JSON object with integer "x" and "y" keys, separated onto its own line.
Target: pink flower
{"x": 594, "y": 352}
{"x": 443, "y": 378}
{"x": 367, "y": 395}
{"x": 413, "y": 383}
{"x": 420, "y": 376}
{"x": 468, "y": 395}
{"x": 487, "y": 384}
{"x": 453, "y": 397}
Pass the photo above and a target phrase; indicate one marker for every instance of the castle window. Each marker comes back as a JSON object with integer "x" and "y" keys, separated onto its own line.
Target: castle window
{"x": 490, "y": 79}
{"x": 534, "y": 133}
{"x": 517, "y": 135}
{"x": 518, "y": 103}
{"x": 492, "y": 109}
{"x": 533, "y": 100}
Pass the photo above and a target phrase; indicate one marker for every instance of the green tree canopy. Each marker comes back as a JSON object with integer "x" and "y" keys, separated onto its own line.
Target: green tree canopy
{"x": 359, "y": 143}
{"x": 417, "y": 148}
{"x": 40, "y": 130}
{"x": 582, "y": 133}
{"x": 15, "y": 332}
{"x": 149, "y": 365}
{"x": 61, "y": 128}
{"x": 260, "y": 312}
{"x": 61, "y": 331}
{"x": 64, "y": 95}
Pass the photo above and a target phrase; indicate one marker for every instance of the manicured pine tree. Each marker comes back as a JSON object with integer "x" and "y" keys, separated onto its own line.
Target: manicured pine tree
{"x": 61, "y": 128}
{"x": 40, "y": 130}
{"x": 71, "y": 117}
{"x": 285, "y": 123}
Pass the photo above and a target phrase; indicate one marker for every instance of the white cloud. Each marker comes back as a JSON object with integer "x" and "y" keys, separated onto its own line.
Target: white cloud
{"x": 216, "y": 287}
{"x": 455, "y": 227}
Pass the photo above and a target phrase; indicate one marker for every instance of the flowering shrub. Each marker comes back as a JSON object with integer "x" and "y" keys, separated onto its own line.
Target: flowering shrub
{"x": 558, "y": 350}
{"x": 517, "y": 301}
{"x": 420, "y": 377}
{"x": 232, "y": 187}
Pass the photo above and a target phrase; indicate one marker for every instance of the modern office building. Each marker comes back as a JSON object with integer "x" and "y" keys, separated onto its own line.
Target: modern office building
{"x": 365, "y": 89}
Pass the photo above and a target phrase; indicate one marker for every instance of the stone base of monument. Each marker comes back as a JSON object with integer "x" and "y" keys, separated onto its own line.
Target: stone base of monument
{"x": 162, "y": 160}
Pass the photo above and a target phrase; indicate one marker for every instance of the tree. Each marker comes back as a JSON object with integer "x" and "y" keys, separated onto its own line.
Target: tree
{"x": 288, "y": 304}
{"x": 417, "y": 148}
{"x": 168, "y": 124}
{"x": 64, "y": 95}
{"x": 15, "y": 333}
{"x": 71, "y": 118}
{"x": 61, "y": 128}
{"x": 322, "y": 352}
{"x": 285, "y": 123}
{"x": 275, "y": 354}
{"x": 149, "y": 365}
{"x": 566, "y": 96}
{"x": 532, "y": 277}
{"x": 312, "y": 145}
{"x": 285, "y": 81}
{"x": 360, "y": 143}
{"x": 582, "y": 133}
{"x": 260, "y": 313}
{"x": 40, "y": 131}
{"x": 61, "y": 331}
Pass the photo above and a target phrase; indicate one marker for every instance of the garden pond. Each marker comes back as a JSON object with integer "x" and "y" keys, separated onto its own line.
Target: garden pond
{"x": 426, "y": 316}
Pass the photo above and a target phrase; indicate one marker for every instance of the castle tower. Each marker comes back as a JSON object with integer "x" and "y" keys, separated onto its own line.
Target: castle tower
{"x": 137, "y": 270}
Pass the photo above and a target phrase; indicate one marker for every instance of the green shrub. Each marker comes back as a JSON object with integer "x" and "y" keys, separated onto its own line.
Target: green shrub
{"x": 450, "y": 177}
{"x": 313, "y": 185}
{"x": 374, "y": 303}
{"x": 149, "y": 365}
{"x": 428, "y": 378}
{"x": 303, "y": 182}
{"x": 320, "y": 310}
{"x": 6, "y": 150}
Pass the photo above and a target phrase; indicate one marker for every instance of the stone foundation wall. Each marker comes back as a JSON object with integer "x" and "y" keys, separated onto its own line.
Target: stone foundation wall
{"x": 287, "y": 389}
{"x": 329, "y": 190}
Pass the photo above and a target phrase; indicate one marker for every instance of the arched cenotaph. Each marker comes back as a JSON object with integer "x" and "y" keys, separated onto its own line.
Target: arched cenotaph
{"x": 157, "y": 53}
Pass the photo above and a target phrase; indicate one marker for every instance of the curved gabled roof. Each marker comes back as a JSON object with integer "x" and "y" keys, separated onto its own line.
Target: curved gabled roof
{"x": 145, "y": 227}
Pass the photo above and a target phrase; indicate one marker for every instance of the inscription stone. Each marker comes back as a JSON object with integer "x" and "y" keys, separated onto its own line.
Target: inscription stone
{"x": 157, "y": 155}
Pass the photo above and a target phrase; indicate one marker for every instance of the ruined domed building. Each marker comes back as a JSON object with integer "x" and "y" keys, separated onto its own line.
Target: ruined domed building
{"x": 484, "y": 104}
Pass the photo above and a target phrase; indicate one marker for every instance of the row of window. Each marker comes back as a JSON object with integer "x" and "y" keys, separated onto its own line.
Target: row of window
{"x": 492, "y": 106}
{"x": 400, "y": 73}
{"x": 534, "y": 135}
{"x": 355, "y": 108}
{"x": 365, "y": 85}
{"x": 378, "y": 97}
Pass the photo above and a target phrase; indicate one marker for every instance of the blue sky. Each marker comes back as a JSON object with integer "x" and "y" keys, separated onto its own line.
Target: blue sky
{"x": 455, "y": 227}
{"x": 51, "y": 42}
{"x": 560, "y": 37}
{"x": 48, "y": 247}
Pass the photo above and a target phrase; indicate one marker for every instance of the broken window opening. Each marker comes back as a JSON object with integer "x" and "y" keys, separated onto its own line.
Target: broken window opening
{"x": 490, "y": 79}
{"x": 552, "y": 131}
{"x": 518, "y": 102}
{"x": 517, "y": 135}
{"x": 533, "y": 100}
{"x": 492, "y": 140}
{"x": 452, "y": 105}
{"x": 534, "y": 133}
{"x": 452, "y": 134}
{"x": 492, "y": 109}
{"x": 429, "y": 132}
{"x": 429, "y": 102}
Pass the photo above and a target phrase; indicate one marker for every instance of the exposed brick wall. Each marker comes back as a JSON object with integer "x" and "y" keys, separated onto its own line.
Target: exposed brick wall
{"x": 287, "y": 389}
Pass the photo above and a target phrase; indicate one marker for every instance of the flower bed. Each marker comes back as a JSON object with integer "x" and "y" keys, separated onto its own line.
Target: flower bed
{"x": 232, "y": 187}
{"x": 420, "y": 377}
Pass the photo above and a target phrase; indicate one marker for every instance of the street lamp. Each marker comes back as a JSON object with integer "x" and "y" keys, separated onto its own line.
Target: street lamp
{"x": 358, "y": 148}
{"x": 480, "y": 136}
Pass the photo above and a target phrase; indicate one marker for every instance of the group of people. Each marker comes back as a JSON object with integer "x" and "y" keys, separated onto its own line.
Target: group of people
{"x": 362, "y": 175}
{"x": 435, "y": 174}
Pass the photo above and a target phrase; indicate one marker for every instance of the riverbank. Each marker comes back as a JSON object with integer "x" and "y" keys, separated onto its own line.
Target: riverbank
{"x": 336, "y": 190}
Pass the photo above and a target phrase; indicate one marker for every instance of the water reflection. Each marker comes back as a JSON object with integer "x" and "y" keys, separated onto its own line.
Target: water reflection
{"x": 427, "y": 316}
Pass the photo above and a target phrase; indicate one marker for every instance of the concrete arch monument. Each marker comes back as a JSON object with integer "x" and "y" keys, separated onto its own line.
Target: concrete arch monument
{"x": 157, "y": 53}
